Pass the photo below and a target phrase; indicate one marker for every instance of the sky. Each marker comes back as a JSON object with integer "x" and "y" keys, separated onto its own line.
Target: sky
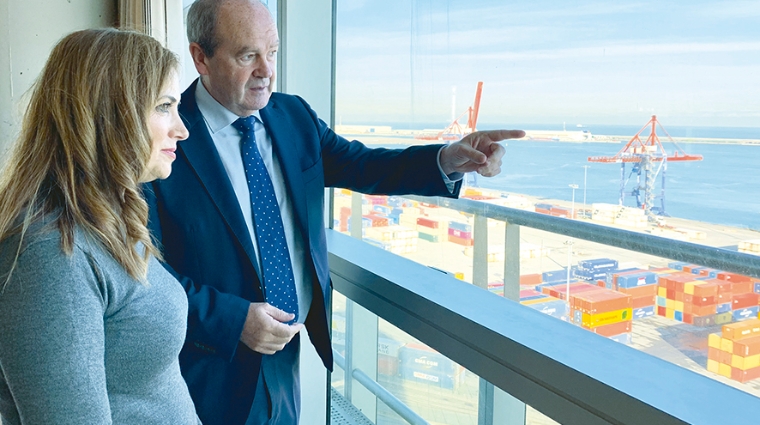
{"x": 692, "y": 63}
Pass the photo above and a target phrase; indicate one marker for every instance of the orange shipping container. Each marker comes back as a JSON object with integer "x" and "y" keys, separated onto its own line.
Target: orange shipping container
{"x": 460, "y": 241}
{"x": 742, "y": 287}
{"x": 697, "y": 310}
{"x": 601, "y": 300}
{"x": 640, "y": 291}
{"x": 741, "y": 330}
{"x": 747, "y": 347}
{"x": 530, "y": 279}
{"x": 645, "y": 301}
{"x": 701, "y": 288}
{"x": 612, "y": 329}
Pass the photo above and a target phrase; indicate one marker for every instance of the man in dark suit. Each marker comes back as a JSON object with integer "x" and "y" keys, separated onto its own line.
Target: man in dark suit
{"x": 240, "y": 358}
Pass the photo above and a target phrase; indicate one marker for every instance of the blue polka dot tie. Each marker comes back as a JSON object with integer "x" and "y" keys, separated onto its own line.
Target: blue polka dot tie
{"x": 279, "y": 284}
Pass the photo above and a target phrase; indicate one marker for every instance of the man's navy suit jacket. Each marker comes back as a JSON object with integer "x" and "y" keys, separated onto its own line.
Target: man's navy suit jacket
{"x": 196, "y": 218}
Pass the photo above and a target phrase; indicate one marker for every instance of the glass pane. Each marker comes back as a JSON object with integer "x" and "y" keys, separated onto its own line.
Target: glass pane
{"x": 433, "y": 386}
{"x": 639, "y": 116}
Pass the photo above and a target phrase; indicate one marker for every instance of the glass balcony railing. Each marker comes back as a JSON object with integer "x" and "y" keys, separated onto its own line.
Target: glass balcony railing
{"x": 455, "y": 352}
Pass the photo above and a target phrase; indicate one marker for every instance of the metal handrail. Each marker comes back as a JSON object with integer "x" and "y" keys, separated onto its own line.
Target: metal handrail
{"x": 544, "y": 362}
{"x": 409, "y": 415}
{"x": 717, "y": 258}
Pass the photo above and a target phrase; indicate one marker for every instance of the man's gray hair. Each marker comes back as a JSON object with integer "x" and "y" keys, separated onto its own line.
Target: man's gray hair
{"x": 201, "y": 24}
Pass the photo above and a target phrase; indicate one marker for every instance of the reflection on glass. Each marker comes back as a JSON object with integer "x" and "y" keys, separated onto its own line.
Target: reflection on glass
{"x": 638, "y": 121}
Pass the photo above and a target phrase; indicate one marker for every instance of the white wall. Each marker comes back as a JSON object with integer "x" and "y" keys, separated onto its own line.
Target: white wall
{"x": 28, "y": 31}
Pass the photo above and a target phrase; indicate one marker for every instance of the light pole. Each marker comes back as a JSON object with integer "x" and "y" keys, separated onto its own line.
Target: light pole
{"x": 569, "y": 244}
{"x": 572, "y": 208}
{"x": 585, "y": 172}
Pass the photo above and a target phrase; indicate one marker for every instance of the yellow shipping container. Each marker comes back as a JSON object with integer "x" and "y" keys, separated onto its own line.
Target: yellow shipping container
{"x": 745, "y": 363}
{"x": 713, "y": 340}
{"x": 726, "y": 345}
{"x": 724, "y": 370}
{"x": 605, "y": 318}
{"x": 713, "y": 366}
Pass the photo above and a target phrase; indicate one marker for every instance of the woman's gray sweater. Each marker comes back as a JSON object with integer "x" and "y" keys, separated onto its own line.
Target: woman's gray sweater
{"x": 81, "y": 342}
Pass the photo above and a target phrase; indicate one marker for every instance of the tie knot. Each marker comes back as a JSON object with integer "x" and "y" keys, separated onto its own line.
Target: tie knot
{"x": 245, "y": 125}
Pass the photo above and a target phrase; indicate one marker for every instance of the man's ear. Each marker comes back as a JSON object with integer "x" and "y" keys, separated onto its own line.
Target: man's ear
{"x": 199, "y": 58}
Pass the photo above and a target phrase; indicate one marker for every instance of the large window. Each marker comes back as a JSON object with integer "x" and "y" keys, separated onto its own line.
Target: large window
{"x": 589, "y": 82}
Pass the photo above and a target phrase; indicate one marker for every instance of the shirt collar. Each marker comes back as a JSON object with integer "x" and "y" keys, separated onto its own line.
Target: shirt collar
{"x": 217, "y": 116}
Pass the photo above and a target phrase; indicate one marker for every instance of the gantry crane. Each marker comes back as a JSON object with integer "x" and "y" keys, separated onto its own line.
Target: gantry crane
{"x": 649, "y": 159}
{"x": 455, "y": 131}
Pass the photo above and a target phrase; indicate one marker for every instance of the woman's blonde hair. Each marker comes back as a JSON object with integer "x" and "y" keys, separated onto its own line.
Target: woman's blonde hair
{"x": 85, "y": 143}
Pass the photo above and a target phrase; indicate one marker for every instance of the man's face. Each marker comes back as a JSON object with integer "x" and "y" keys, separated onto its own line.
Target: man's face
{"x": 241, "y": 74}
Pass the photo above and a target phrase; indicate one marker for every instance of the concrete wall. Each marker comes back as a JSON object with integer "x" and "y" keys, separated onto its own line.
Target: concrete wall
{"x": 28, "y": 31}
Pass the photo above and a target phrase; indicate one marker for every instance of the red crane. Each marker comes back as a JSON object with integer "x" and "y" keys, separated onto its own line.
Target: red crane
{"x": 645, "y": 155}
{"x": 455, "y": 131}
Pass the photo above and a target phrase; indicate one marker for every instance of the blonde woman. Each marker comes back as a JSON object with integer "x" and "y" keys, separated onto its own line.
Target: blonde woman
{"x": 90, "y": 322}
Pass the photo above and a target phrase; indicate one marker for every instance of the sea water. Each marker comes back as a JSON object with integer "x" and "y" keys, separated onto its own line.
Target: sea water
{"x": 723, "y": 188}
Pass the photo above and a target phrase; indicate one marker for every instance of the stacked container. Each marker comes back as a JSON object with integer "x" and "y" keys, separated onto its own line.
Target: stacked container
{"x": 604, "y": 312}
{"x": 396, "y": 239}
{"x": 640, "y": 284}
{"x": 750, "y": 246}
{"x": 593, "y": 270}
{"x": 432, "y": 229}
{"x": 422, "y": 364}
{"x": 544, "y": 303}
{"x": 735, "y": 353}
{"x": 460, "y": 233}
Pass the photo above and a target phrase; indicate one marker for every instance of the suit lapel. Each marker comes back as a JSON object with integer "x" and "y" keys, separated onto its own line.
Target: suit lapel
{"x": 201, "y": 154}
{"x": 288, "y": 150}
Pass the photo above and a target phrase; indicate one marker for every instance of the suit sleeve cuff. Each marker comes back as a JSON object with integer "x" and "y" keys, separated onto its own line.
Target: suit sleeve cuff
{"x": 451, "y": 179}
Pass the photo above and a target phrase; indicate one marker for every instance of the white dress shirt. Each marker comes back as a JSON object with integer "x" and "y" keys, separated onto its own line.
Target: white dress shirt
{"x": 227, "y": 141}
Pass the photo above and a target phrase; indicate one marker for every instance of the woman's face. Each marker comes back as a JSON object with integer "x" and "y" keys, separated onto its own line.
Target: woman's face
{"x": 166, "y": 128}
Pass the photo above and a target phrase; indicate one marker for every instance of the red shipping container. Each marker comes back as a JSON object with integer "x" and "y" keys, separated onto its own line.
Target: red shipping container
{"x": 679, "y": 296}
{"x": 645, "y": 301}
{"x": 671, "y": 294}
{"x": 558, "y": 291}
{"x": 733, "y": 277}
{"x": 724, "y": 357}
{"x": 543, "y": 211}
{"x": 461, "y": 241}
{"x": 661, "y": 311}
{"x": 688, "y": 318}
{"x": 612, "y": 329}
{"x": 377, "y": 221}
{"x": 524, "y": 293}
{"x": 530, "y": 279}
{"x": 426, "y": 222}
{"x": 744, "y": 300}
{"x": 713, "y": 354}
{"x": 745, "y": 375}
{"x": 688, "y": 268}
